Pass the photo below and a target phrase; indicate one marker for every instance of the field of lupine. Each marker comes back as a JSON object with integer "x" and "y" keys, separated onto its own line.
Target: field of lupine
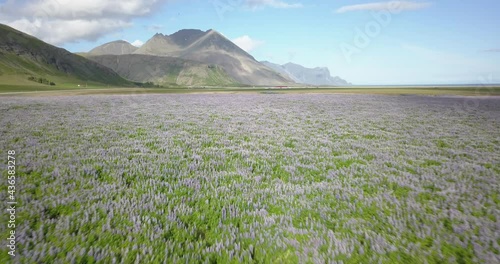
{"x": 262, "y": 178}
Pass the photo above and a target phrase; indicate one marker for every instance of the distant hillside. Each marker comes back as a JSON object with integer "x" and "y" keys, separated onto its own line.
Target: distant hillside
{"x": 311, "y": 76}
{"x": 212, "y": 48}
{"x": 118, "y": 47}
{"x": 165, "y": 70}
{"x": 24, "y": 55}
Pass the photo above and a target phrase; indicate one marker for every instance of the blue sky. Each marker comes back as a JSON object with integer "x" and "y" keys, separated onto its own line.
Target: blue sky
{"x": 362, "y": 41}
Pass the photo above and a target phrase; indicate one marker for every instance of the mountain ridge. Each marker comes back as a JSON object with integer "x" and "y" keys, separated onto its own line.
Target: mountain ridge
{"x": 24, "y": 55}
{"x": 213, "y": 48}
{"x": 311, "y": 76}
{"x": 117, "y": 47}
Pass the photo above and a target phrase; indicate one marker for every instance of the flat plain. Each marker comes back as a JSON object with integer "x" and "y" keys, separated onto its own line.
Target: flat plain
{"x": 254, "y": 178}
{"x": 8, "y": 89}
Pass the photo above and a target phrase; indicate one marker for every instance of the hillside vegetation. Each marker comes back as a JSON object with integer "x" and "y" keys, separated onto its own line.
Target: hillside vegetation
{"x": 22, "y": 56}
{"x": 165, "y": 70}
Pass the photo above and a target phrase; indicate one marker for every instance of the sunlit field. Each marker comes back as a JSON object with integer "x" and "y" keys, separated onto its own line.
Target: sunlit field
{"x": 253, "y": 178}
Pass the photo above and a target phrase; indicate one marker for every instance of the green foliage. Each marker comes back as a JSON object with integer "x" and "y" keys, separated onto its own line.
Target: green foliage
{"x": 345, "y": 163}
{"x": 399, "y": 191}
{"x": 370, "y": 136}
{"x": 428, "y": 242}
{"x": 442, "y": 144}
{"x": 280, "y": 173}
{"x": 41, "y": 80}
{"x": 401, "y": 256}
{"x": 148, "y": 85}
{"x": 462, "y": 255}
{"x": 429, "y": 163}
{"x": 425, "y": 197}
{"x": 448, "y": 225}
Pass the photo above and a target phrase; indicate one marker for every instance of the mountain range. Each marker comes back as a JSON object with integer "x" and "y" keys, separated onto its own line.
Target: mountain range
{"x": 203, "y": 55}
{"x": 312, "y": 76}
{"x": 189, "y": 57}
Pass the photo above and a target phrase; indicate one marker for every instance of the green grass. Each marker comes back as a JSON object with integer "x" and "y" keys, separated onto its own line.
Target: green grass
{"x": 19, "y": 82}
{"x": 217, "y": 76}
{"x": 33, "y": 57}
{"x": 9, "y": 86}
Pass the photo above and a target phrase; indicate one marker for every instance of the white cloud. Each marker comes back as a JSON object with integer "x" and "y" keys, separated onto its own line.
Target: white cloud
{"x": 70, "y": 9}
{"x": 62, "y": 21}
{"x": 247, "y": 44}
{"x": 254, "y": 4}
{"x": 59, "y": 31}
{"x": 137, "y": 43}
{"x": 393, "y": 6}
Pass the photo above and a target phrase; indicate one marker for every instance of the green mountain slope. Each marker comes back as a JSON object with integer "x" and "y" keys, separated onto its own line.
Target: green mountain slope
{"x": 23, "y": 56}
{"x": 165, "y": 70}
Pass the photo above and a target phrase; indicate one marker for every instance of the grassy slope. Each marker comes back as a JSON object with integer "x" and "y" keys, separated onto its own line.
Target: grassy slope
{"x": 22, "y": 56}
{"x": 201, "y": 75}
{"x": 167, "y": 71}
